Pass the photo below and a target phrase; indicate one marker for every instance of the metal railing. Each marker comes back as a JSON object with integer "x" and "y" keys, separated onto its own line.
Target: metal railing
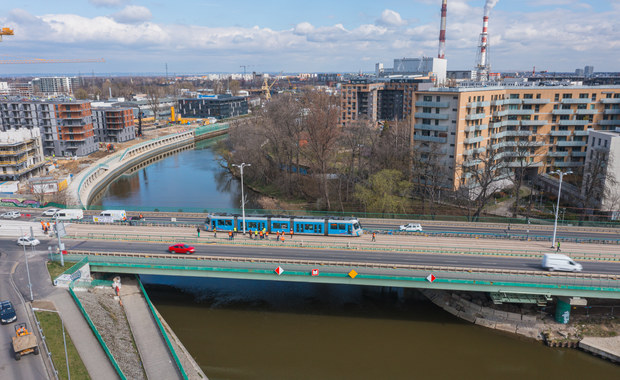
{"x": 47, "y": 350}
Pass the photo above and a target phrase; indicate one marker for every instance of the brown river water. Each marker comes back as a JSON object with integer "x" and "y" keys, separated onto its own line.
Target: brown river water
{"x": 274, "y": 330}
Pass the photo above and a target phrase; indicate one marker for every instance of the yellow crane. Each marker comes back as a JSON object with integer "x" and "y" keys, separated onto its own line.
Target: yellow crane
{"x": 267, "y": 87}
{"x": 6, "y": 32}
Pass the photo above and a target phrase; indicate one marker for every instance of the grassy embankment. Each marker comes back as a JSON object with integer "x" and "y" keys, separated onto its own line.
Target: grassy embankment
{"x": 55, "y": 269}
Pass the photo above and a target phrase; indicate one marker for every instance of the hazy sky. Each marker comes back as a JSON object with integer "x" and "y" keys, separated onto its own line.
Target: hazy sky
{"x": 197, "y": 36}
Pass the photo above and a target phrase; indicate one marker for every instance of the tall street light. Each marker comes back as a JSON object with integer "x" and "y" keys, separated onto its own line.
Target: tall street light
{"x": 557, "y": 207}
{"x": 242, "y": 196}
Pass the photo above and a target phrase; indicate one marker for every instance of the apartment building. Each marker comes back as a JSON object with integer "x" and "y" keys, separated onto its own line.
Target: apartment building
{"x": 65, "y": 125}
{"x": 54, "y": 86}
{"x": 378, "y": 100}
{"x": 113, "y": 124}
{"x": 220, "y": 106}
{"x": 607, "y": 145}
{"x": 538, "y": 128}
{"x": 21, "y": 155}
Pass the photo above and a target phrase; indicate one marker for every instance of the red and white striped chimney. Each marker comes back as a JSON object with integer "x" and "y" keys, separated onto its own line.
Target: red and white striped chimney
{"x": 442, "y": 30}
{"x": 483, "y": 41}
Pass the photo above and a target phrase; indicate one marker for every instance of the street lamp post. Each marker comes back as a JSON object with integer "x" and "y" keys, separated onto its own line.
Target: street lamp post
{"x": 557, "y": 207}
{"x": 27, "y": 268}
{"x": 242, "y": 196}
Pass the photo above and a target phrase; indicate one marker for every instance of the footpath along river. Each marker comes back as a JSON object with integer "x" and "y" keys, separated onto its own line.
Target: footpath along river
{"x": 273, "y": 330}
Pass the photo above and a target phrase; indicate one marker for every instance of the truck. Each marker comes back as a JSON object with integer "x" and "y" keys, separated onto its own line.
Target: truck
{"x": 110, "y": 216}
{"x": 69, "y": 214}
{"x": 24, "y": 342}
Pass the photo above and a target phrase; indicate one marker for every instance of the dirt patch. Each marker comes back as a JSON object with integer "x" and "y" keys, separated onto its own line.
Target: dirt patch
{"x": 107, "y": 314}
{"x": 43, "y": 304}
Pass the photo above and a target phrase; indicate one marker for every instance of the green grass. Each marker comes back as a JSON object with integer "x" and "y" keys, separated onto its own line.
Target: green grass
{"x": 55, "y": 269}
{"x": 50, "y": 323}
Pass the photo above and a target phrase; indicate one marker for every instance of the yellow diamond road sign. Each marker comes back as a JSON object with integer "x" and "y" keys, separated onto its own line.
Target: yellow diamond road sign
{"x": 353, "y": 273}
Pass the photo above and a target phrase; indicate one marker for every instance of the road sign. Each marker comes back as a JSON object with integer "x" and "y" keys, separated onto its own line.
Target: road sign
{"x": 315, "y": 272}
{"x": 279, "y": 270}
{"x": 430, "y": 278}
{"x": 353, "y": 273}
{"x": 60, "y": 229}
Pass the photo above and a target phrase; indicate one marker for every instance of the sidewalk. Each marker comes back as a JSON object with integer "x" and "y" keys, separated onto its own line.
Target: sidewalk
{"x": 156, "y": 357}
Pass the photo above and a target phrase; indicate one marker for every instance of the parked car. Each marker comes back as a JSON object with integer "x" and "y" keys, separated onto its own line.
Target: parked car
{"x": 27, "y": 240}
{"x": 411, "y": 227}
{"x": 50, "y": 212}
{"x": 7, "y": 313}
{"x": 181, "y": 248}
{"x": 11, "y": 215}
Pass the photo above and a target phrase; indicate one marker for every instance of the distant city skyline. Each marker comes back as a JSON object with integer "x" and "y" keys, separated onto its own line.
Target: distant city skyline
{"x": 193, "y": 36}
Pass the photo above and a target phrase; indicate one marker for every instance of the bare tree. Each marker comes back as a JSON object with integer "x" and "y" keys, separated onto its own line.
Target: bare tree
{"x": 521, "y": 158}
{"x": 481, "y": 176}
{"x": 356, "y": 138}
{"x": 599, "y": 186}
{"x": 153, "y": 96}
{"x": 321, "y": 126}
{"x": 430, "y": 172}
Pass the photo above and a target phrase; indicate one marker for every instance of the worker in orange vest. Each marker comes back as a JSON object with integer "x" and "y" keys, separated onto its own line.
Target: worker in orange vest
{"x": 291, "y": 233}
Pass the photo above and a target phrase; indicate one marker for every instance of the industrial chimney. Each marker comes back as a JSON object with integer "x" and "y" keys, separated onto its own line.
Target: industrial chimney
{"x": 483, "y": 65}
{"x": 442, "y": 30}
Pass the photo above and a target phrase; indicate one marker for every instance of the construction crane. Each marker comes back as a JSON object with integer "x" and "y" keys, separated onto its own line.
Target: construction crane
{"x": 45, "y": 60}
{"x": 6, "y": 32}
{"x": 267, "y": 87}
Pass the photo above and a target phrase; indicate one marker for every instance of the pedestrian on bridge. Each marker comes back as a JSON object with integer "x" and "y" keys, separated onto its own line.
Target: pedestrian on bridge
{"x": 250, "y": 233}
{"x": 291, "y": 234}
{"x": 214, "y": 232}
{"x": 558, "y": 250}
{"x": 374, "y": 236}
{"x": 198, "y": 231}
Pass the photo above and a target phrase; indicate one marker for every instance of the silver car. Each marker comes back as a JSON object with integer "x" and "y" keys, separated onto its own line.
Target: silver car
{"x": 27, "y": 240}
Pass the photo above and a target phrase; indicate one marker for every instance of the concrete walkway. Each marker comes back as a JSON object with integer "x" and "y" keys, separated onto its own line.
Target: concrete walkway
{"x": 156, "y": 358}
{"x": 96, "y": 361}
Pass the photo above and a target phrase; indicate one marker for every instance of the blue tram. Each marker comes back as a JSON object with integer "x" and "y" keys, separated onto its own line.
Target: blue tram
{"x": 307, "y": 225}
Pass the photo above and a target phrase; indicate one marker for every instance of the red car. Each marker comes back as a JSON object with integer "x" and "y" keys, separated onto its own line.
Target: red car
{"x": 181, "y": 248}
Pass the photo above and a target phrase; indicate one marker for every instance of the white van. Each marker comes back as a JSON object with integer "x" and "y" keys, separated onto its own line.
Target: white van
{"x": 552, "y": 261}
{"x": 114, "y": 215}
{"x": 69, "y": 214}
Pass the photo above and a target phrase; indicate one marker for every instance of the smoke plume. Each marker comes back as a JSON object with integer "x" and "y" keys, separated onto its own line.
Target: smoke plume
{"x": 488, "y": 6}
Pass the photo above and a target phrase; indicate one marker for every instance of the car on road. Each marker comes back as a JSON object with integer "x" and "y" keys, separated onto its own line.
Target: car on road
{"x": 181, "y": 248}
{"x": 27, "y": 240}
{"x": 50, "y": 212}
{"x": 553, "y": 261}
{"x": 7, "y": 313}
{"x": 411, "y": 227}
{"x": 11, "y": 215}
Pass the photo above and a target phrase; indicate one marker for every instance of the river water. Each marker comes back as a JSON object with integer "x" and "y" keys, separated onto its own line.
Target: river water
{"x": 274, "y": 330}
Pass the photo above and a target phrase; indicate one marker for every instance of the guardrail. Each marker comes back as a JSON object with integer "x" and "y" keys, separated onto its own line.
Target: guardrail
{"x": 43, "y": 339}
{"x": 96, "y": 258}
{"x": 96, "y": 332}
{"x": 336, "y": 245}
{"x": 162, "y": 330}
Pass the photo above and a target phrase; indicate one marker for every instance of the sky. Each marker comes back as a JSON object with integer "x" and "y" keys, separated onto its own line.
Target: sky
{"x": 206, "y": 36}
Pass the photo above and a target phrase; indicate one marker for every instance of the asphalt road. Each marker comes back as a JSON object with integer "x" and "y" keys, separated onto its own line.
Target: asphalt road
{"x": 472, "y": 261}
{"x": 30, "y": 366}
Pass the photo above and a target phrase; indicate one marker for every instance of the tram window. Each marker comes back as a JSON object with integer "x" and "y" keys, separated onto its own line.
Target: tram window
{"x": 309, "y": 227}
{"x": 225, "y": 223}
{"x": 349, "y": 228}
{"x": 319, "y": 228}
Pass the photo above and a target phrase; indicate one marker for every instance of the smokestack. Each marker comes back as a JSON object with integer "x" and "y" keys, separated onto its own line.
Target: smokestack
{"x": 442, "y": 30}
{"x": 482, "y": 65}
{"x": 483, "y": 41}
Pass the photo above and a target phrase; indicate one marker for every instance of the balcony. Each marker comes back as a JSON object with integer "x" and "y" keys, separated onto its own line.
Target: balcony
{"x": 533, "y": 122}
{"x": 587, "y": 112}
{"x": 571, "y": 143}
{"x": 469, "y": 152}
{"x": 536, "y": 101}
{"x": 610, "y": 100}
{"x": 428, "y": 115}
{"x": 473, "y": 140}
{"x": 557, "y": 154}
{"x": 578, "y": 154}
{"x": 513, "y": 101}
{"x": 612, "y": 111}
{"x": 562, "y": 112}
{"x": 499, "y": 102}
{"x": 498, "y": 124}
{"x": 519, "y": 112}
{"x": 428, "y": 127}
{"x": 571, "y": 164}
{"x": 609, "y": 122}
{"x": 475, "y": 116}
{"x": 518, "y": 133}
{"x": 478, "y": 104}
{"x": 577, "y": 101}
{"x": 499, "y": 135}
{"x": 500, "y": 113}
{"x": 512, "y": 123}
{"x": 580, "y": 133}
{"x": 470, "y": 163}
{"x": 432, "y": 104}
{"x": 574, "y": 122}
{"x": 560, "y": 133}
{"x": 442, "y": 140}
{"x": 474, "y": 128}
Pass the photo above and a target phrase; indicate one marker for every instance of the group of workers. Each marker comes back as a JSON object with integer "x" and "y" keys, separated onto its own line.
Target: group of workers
{"x": 255, "y": 234}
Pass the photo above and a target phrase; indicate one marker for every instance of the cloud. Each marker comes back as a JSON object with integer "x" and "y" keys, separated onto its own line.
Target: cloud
{"x": 108, "y": 3}
{"x": 132, "y": 14}
{"x": 391, "y": 18}
{"x": 303, "y": 28}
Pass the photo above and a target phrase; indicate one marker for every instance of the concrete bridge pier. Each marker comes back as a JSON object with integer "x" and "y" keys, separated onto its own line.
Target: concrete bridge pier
{"x": 563, "y": 305}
